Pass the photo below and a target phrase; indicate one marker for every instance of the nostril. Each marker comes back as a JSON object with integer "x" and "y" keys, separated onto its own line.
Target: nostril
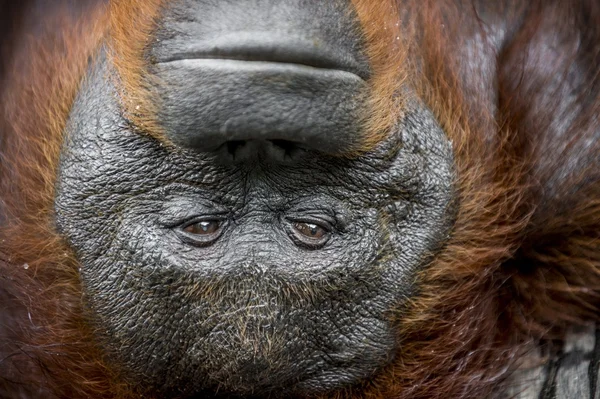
{"x": 233, "y": 146}
{"x": 267, "y": 150}
{"x": 286, "y": 145}
{"x": 289, "y": 148}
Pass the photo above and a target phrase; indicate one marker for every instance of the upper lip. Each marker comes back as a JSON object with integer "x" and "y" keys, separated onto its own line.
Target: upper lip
{"x": 268, "y": 47}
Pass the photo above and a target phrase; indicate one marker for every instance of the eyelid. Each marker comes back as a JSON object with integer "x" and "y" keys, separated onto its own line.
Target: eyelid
{"x": 185, "y": 220}
{"x": 326, "y": 223}
{"x": 202, "y": 218}
{"x": 177, "y": 209}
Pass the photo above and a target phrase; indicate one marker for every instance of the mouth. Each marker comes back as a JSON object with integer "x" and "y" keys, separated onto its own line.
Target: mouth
{"x": 264, "y": 48}
{"x": 240, "y": 87}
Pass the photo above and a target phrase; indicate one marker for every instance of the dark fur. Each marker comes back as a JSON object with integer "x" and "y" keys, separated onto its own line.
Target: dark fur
{"x": 521, "y": 106}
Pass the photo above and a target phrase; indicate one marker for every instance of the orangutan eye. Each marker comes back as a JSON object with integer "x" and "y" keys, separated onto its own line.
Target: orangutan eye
{"x": 310, "y": 230}
{"x": 202, "y": 232}
{"x": 310, "y": 235}
{"x": 204, "y": 227}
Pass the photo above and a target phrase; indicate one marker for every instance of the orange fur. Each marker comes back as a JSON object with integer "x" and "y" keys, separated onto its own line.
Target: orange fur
{"x": 380, "y": 24}
{"x": 55, "y": 353}
{"x": 535, "y": 269}
{"x": 132, "y": 23}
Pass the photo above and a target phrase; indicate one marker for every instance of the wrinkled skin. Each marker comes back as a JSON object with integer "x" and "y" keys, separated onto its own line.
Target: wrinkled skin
{"x": 253, "y": 272}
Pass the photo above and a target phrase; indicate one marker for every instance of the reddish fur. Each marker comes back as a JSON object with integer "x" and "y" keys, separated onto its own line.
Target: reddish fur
{"x": 381, "y": 31}
{"x": 522, "y": 262}
{"x": 53, "y": 352}
{"x": 131, "y": 24}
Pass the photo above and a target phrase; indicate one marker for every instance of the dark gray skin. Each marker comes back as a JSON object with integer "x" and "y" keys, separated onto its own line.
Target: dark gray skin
{"x": 244, "y": 269}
